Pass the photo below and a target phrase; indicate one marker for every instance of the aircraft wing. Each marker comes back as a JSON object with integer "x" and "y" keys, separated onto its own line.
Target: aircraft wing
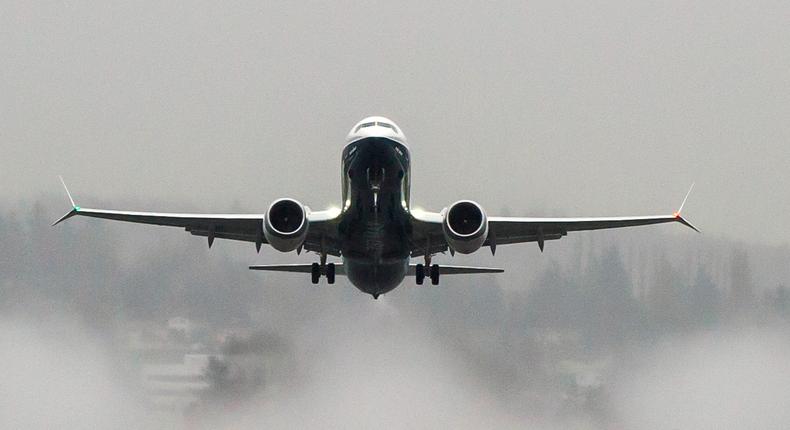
{"x": 428, "y": 237}
{"x": 507, "y": 230}
{"x": 240, "y": 227}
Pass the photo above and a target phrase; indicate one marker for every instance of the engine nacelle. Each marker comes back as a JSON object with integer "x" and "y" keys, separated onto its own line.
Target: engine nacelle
{"x": 465, "y": 226}
{"x": 285, "y": 225}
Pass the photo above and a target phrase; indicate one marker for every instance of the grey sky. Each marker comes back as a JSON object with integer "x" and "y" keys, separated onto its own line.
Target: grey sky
{"x": 545, "y": 107}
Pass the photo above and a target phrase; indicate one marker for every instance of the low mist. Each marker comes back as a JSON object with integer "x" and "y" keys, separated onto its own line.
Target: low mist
{"x": 635, "y": 329}
{"x": 729, "y": 379}
{"x": 58, "y": 375}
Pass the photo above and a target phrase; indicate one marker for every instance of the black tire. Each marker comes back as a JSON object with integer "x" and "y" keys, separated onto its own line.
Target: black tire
{"x": 419, "y": 273}
{"x": 315, "y": 273}
{"x": 435, "y": 274}
{"x": 330, "y": 273}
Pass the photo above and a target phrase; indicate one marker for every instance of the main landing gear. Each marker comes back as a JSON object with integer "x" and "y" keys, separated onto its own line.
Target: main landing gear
{"x": 432, "y": 272}
{"x": 329, "y": 272}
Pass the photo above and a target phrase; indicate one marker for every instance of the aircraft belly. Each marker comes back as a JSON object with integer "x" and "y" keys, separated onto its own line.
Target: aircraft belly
{"x": 376, "y": 277}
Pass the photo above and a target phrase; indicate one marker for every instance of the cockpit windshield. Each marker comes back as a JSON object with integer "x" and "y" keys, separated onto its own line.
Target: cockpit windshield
{"x": 367, "y": 124}
{"x": 388, "y": 125}
{"x": 377, "y": 123}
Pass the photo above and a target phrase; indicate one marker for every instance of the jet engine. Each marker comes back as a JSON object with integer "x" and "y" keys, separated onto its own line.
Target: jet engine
{"x": 285, "y": 225}
{"x": 465, "y": 226}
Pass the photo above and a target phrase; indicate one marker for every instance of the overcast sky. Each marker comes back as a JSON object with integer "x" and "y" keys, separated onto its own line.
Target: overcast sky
{"x": 555, "y": 107}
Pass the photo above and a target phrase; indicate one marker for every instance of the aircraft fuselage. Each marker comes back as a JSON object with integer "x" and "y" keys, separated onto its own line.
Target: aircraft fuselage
{"x": 375, "y": 223}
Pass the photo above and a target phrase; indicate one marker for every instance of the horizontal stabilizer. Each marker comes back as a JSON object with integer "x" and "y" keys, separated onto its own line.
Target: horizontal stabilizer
{"x": 295, "y": 268}
{"x": 459, "y": 270}
{"x": 339, "y": 269}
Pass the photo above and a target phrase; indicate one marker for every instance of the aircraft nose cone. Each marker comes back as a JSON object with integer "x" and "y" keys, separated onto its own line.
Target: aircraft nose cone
{"x": 376, "y": 126}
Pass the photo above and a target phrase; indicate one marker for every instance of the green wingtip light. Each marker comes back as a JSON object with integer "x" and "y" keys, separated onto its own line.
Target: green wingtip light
{"x": 77, "y": 208}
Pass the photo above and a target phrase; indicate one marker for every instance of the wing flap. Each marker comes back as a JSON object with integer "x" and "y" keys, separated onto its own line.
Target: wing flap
{"x": 242, "y": 236}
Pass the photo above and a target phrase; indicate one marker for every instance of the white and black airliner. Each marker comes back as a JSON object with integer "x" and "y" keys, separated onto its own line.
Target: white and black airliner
{"x": 376, "y": 232}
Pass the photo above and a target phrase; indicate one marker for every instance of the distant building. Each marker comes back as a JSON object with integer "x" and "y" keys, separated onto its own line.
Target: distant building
{"x": 181, "y": 325}
{"x": 175, "y": 386}
{"x": 171, "y": 361}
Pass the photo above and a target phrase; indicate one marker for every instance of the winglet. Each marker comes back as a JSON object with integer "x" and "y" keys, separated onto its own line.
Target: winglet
{"x": 70, "y": 214}
{"x": 74, "y": 207}
{"x": 685, "y": 198}
{"x": 67, "y": 191}
{"x": 680, "y": 218}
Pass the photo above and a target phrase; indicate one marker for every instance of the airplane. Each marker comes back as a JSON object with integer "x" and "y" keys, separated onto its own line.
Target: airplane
{"x": 376, "y": 232}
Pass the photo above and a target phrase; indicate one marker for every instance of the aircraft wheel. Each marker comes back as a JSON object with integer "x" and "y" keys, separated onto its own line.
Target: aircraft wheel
{"x": 315, "y": 273}
{"x": 419, "y": 273}
{"x": 435, "y": 274}
{"x": 330, "y": 273}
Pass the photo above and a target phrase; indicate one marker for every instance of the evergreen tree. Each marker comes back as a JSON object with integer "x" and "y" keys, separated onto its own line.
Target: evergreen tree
{"x": 741, "y": 298}
{"x": 611, "y": 314}
{"x": 778, "y": 301}
{"x": 664, "y": 302}
{"x": 704, "y": 300}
